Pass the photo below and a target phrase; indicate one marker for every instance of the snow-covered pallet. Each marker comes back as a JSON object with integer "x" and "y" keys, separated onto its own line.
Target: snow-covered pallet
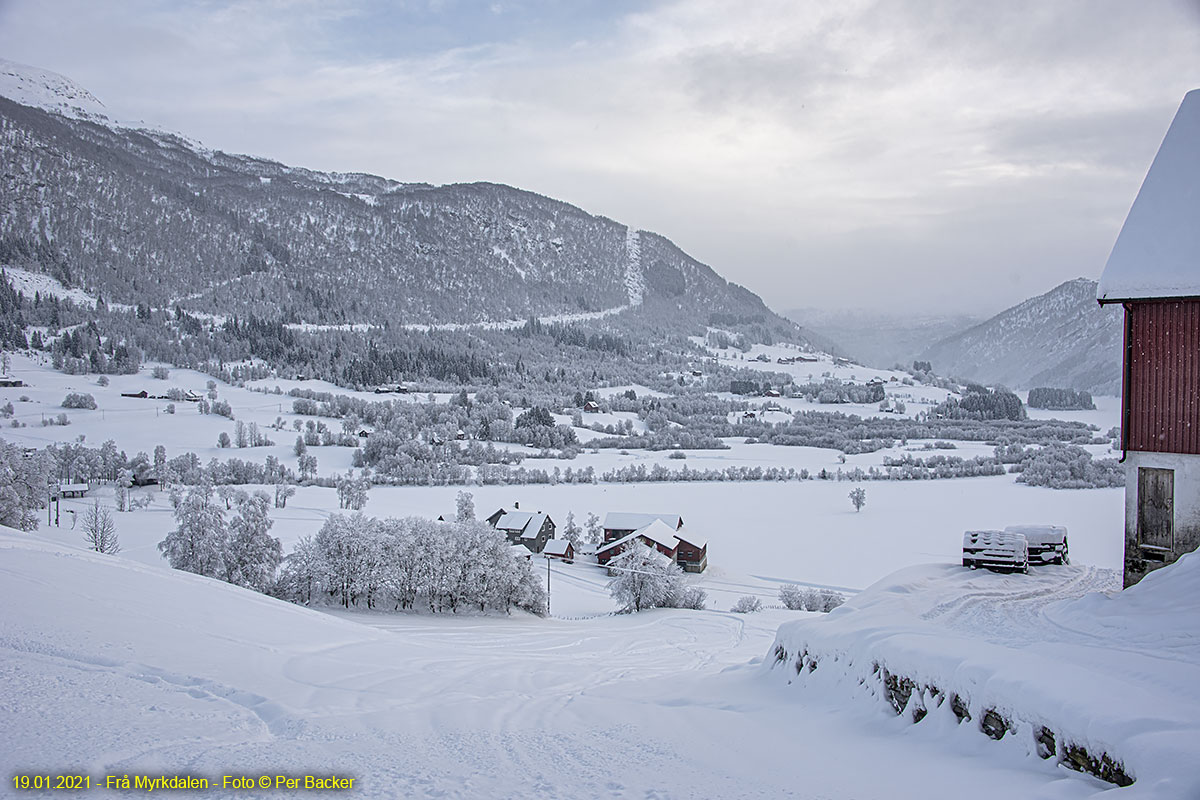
{"x": 995, "y": 550}
{"x": 1047, "y": 543}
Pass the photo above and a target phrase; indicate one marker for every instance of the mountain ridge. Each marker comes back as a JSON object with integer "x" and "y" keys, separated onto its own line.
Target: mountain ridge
{"x": 142, "y": 215}
{"x": 1062, "y": 338}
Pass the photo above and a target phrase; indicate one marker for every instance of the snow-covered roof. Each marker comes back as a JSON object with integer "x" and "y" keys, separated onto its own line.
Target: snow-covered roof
{"x": 660, "y": 532}
{"x": 534, "y": 526}
{"x": 1157, "y": 253}
{"x": 684, "y": 535}
{"x": 528, "y": 523}
{"x": 556, "y": 547}
{"x": 657, "y": 531}
{"x": 514, "y": 520}
{"x": 628, "y": 521}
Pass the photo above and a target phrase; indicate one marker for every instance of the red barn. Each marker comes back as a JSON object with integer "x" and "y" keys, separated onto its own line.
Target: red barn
{"x": 1154, "y": 272}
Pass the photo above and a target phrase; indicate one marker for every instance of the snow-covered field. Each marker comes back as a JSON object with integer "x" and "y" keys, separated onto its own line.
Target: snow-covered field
{"x": 114, "y": 668}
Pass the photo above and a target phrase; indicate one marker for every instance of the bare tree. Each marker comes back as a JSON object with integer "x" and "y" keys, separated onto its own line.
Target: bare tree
{"x": 99, "y": 530}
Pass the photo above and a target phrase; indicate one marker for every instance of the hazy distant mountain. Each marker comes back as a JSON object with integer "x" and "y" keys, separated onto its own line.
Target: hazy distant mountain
{"x": 878, "y": 339}
{"x": 147, "y": 216}
{"x": 1062, "y": 338}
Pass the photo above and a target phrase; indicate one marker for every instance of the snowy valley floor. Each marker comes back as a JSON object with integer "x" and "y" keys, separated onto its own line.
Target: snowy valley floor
{"x": 109, "y": 666}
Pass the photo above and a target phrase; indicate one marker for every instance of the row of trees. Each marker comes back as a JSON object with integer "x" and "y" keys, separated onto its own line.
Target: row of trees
{"x": 1060, "y": 399}
{"x": 358, "y": 560}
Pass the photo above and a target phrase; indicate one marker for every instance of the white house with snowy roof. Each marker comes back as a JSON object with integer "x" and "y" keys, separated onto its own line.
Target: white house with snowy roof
{"x": 1154, "y": 273}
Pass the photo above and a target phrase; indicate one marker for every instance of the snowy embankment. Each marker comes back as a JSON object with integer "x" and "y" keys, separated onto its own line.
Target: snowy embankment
{"x": 1104, "y": 681}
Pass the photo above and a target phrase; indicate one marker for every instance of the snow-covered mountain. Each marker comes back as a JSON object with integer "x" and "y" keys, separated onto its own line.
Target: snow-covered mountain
{"x": 138, "y": 215}
{"x": 1062, "y": 338}
{"x": 49, "y": 91}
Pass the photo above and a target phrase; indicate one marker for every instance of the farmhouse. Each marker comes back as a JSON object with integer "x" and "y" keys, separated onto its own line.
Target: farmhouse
{"x": 523, "y": 527}
{"x": 591, "y": 407}
{"x": 1154, "y": 272}
{"x": 658, "y": 535}
{"x": 664, "y": 532}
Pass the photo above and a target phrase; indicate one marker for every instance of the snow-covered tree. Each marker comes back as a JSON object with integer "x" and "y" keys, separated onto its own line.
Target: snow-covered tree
{"x": 465, "y": 502}
{"x": 160, "y": 465}
{"x": 308, "y": 466}
{"x": 99, "y": 530}
{"x": 346, "y": 545}
{"x": 858, "y": 497}
{"x": 23, "y": 486}
{"x": 593, "y": 529}
{"x": 198, "y": 543}
{"x": 252, "y": 554}
{"x": 571, "y": 531}
{"x": 303, "y": 572}
{"x": 283, "y": 491}
{"x": 124, "y": 483}
{"x": 644, "y": 578}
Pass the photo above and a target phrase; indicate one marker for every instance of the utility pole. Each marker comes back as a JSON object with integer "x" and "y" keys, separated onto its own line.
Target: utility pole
{"x": 547, "y": 586}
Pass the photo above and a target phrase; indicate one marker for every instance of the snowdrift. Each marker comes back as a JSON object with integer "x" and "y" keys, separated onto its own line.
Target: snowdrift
{"x": 1105, "y": 681}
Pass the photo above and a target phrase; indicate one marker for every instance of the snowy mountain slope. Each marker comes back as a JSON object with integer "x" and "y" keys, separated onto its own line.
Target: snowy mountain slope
{"x": 112, "y": 668}
{"x": 49, "y": 91}
{"x": 147, "y": 216}
{"x": 1062, "y": 338}
{"x": 1059, "y": 648}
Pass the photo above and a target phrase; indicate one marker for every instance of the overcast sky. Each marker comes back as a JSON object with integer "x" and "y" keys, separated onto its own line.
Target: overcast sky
{"x": 920, "y": 156}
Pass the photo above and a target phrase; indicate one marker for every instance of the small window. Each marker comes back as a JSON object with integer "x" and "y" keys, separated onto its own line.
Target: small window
{"x": 1156, "y": 508}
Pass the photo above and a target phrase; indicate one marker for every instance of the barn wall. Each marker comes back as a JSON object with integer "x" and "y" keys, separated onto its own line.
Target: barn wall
{"x": 1138, "y": 560}
{"x": 1162, "y": 392}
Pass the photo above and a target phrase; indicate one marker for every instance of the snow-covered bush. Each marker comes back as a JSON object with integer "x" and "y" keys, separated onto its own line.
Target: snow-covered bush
{"x": 824, "y": 600}
{"x": 686, "y": 596}
{"x": 747, "y": 604}
{"x": 79, "y": 400}
{"x": 792, "y": 597}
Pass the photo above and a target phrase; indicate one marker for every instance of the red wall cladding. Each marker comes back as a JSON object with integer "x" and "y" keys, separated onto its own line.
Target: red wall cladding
{"x": 1162, "y": 391}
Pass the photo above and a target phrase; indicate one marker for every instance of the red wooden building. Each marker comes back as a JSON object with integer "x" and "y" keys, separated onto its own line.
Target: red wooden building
{"x": 1154, "y": 272}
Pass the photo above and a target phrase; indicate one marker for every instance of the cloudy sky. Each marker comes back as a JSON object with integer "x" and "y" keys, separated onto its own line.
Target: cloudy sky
{"x": 917, "y": 156}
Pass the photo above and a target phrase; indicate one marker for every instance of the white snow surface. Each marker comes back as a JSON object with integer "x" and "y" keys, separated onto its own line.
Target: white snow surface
{"x": 1157, "y": 253}
{"x": 1116, "y": 672}
{"x": 40, "y": 88}
{"x": 111, "y": 667}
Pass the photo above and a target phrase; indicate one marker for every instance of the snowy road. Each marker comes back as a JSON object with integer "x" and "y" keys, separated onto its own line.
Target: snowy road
{"x": 112, "y": 667}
